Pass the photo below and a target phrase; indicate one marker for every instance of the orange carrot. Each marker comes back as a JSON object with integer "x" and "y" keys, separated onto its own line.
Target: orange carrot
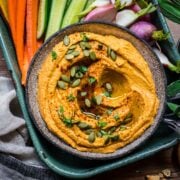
{"x": 12, "y": 17}
{"x": 31, "y": 27}
{"x": 25, "y": 66}
{"x": 20, "y": 26}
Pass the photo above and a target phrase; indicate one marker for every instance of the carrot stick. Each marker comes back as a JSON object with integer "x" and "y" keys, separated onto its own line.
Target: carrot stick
{"x": 20, "y": 26}
{"x": 25, "y": 66}
{"x": 12, "y": 17}
{"x": 31, "y": 27}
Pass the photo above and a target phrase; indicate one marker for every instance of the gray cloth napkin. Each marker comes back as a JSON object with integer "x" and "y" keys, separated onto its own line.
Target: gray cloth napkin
{"x": 14, "y": 139}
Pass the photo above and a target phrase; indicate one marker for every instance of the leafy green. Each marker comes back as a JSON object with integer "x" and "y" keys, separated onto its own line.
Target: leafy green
{"x": 175, "y": 108}
{"x": 71, "y": 97}
{"x": 160, "y": 35}
{"x": 91, "y": 80}
{"x": 102, "y": 124}
{"x": 170, "y": 10}
{"x": 173, "y": 88}
{"x": 54, "y": 55}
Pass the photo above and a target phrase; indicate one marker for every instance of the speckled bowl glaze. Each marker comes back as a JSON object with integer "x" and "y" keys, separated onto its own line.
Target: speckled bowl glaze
{"x": 104, "y": 29}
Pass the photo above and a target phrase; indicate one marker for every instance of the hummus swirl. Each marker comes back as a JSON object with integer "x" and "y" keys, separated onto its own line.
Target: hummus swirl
{"x": 96, "y": 92}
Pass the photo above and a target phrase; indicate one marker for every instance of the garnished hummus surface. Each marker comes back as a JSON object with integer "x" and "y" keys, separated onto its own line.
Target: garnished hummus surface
{"x": 96, "y": 92}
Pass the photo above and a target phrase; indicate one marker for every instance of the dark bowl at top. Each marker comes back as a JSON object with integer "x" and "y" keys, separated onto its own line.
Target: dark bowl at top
{"x": 104, "y": 29}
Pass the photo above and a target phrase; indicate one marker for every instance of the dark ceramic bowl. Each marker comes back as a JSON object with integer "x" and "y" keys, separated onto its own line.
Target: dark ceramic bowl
{"x": 104, "y": 29}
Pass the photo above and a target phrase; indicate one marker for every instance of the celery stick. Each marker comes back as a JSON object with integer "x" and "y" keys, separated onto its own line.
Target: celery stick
{"x": 73, "y": 10}
{"x": 43, "y": 15}
{"x": 56, "y": 16}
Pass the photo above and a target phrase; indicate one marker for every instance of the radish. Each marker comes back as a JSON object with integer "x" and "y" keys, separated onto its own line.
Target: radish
{"x": 136, "y": 8}
{"x": 164, "y": 60}
{"x": 127, "y": 17}
{"x": 143, "y": 29}
{"x": 104, "y": 13}
{"x": 97, "y": 3}
{"x": 119, "y": 4}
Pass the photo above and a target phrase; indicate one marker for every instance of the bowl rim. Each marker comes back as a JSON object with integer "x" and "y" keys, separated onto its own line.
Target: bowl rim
{"x": 89, "y": 155}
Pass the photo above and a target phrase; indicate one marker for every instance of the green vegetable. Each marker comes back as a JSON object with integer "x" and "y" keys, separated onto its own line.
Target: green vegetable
{"x": 160, "y": 35}
{"x": 142, "y": 3}
{"x": 43, "y": 16}
{"x": 173, "y": 88}
{"x": 91, "y": 80}
{"x": 170, "y": 10}
{"x": 102, "y": 124}
{"x": 74, "y": 8}
{"x": 116, "y": 117}
{"x": 175, "y": 108}
{"x": 56, "y": 16}
{"x": 71, "y": 97}
{"x": 53, "y": 55}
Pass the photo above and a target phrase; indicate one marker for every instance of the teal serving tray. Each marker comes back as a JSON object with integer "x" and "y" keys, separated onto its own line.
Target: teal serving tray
{"x": 66, "y": 164}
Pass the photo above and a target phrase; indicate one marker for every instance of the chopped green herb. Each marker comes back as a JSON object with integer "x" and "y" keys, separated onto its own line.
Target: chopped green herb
{"x": 83, "y": 69}
{"x": 107, "y": 94}
{"x": 116, "y": 117}
{"x": 102, "y": 124}
{"x": 84, "y": 37}
{"x": 160, "y": 35}
{"x": 71, "y": 97}
{"x": 111, "y": 130}
{"x": 91, "y": 80}
{"x": 68, "y": 122}
{"x": 114, "y": 138}
{"x": 53, "y": 55}
{"x": 61, "y": 110}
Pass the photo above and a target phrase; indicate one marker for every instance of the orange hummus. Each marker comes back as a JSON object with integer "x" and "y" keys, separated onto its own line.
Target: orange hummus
{"x": 96, "y": 92}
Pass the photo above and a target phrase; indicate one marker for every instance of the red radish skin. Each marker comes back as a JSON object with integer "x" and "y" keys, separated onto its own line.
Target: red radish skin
{"x": 104, "y": 13}
{"x": 143, "y": 29}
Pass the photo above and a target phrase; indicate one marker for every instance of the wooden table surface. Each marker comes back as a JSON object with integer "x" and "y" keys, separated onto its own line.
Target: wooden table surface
{"x": 167, "y": 159}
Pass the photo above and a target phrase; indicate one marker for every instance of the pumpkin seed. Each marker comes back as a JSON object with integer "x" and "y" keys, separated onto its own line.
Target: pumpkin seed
{"x": 122, "y": 128}
{"x": 86, "y": 53}
{"x": 108, "y": 51}
{"x": 70, "y": 51}
{"x": 73, "y": 71}
{"x": 75, "y": 53}
{"x": 108, "y": 87}
{"x": 76, "y": 83}
{"x": 98, "y": 134}
{"x": 116, "y": 117}
{"x": 87, "y": 45}
{"x": 65, "y": 78}
{"x": 106, "y": 141}
{"x": 72, "y": 47}
{"x": 62, "y": 85}
{"x": 114, "y": 138}
{"x": 92, "y": 55}
{"x": 98, "y": 99}
{"x": 79, "y": 75}
{"x": 83, "y": 125}
{"x": 87, "y": 102}
{"x": 82, "y": 45}
{"x": 89, "y": 131}
{"x": 103, "y": 132}
{"x": 127, "y": 120}
{"x": 75, "y": 121}
{"x": 111, "y": 130}
{"x": 83, "y": 94}
{"x": 91, "y": 137}
{"x": 113, "y": 55}
{"x": 69, "y": 56}
{"x": 100, "y": 46}
{"x": 66, "y": 40}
